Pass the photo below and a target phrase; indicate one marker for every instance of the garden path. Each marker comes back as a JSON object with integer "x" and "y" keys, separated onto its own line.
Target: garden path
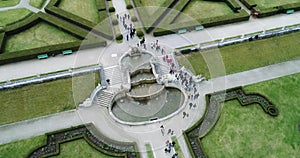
{"x": 148, "y": 133}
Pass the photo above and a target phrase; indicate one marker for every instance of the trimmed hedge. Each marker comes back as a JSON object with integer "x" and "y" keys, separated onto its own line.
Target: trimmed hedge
{"x": 250, "y": 4}
{"x": 86, "y": 24}
{"x": 169, "y": 27}
{"x": 111, "y": 9}
{"x": 233, "y": 5}
{"x": 119, "y": 37}
{"x": 2, "y": 35}
{"x": 242, "y": 15}
{"x": 150, "y": 21}
{"x": 21, "y": 55}
{"x": 87, "y": 132}
{"x": 129, "y": 6}
{"x": 191, "y": 135}
{"x": 139, "y": 33}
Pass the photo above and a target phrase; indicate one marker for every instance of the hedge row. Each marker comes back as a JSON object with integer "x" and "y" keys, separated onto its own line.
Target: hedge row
{"x": 192, "y": 133}
{"x": 150, "y": 21}
{"x": 2, "y": 34}
{"x": 242, "y": 15}
{"x": 101, "y": 5}
{"x": 233, "y": 5}
{"x": 86, "y": 24}
{"x": 250, "y": 4}
{"x": 54, "y": 139}
{"x": 264, "y": 12}
{"x": 93, "y": 41}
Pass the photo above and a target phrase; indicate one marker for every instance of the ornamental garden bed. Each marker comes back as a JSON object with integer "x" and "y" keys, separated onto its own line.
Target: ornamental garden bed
{"x": 270, "y": 7}
{"x": 244, "y": 132}
{"x": 191, "y": 14}
{"x": 213, "y": 101}
{"x": 89, "y": 134}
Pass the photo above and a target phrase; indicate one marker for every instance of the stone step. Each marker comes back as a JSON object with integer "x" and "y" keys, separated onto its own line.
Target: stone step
{"x": 113, "y": 74}
{"x": 104, "y": 98}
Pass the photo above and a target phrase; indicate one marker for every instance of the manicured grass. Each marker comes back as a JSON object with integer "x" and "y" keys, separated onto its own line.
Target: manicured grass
{"x": 79, "y": 148}
{"x": 244, "y": 56}
{"x": 46, "y": 98}
{"x": 157, "y": 3}
{"x": 21, "y": 148}
{"x": 149, "y": 151}
{"x": 13, "y": 15}
{"x": 8, "y": 3}
{"x": 200, "y": 9}
{"x": 37, "y": 3}
{"x": 86, "y": 9}
{"x": 42, "y": 34}
{"x": 249, "y": 132}
{"x": 177, "y": 147}
{"x": 272, "y": 3}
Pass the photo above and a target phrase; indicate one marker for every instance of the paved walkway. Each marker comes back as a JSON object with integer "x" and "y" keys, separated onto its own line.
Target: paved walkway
{"x": 109, "y": 56}
{"x": 148, "y": 133}
{"x": 97, "y": 55}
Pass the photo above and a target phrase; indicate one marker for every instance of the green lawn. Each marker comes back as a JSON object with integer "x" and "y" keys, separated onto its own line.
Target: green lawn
{"x": 149, "y": 151}
{"x": 41, "y": 34}
{"x": 200, "y": 9}
{"x": 244, "y": 56}
{"x": 37, "y": 3}
{"x": 13, "y": 15}
{"x": 86, "y": 9}
{"x": 177, "y": 147}
{"x": 157, "y": 3}
{"x": 249, "y": 132}
{"x": 21, "y": 148}
{"x": 46, "y": 98}
{"x": 272, "y": 3}
{"x": 79, "y": 148}
{"x": 8, "y": 3}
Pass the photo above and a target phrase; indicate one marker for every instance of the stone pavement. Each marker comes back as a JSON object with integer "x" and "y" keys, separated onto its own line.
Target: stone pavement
{"x": 97, "y": 55}
{"x": 147, "y": 133}
{"x": 109, "y": 56}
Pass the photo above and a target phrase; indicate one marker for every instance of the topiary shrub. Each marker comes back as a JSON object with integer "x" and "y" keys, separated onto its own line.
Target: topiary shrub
{"x": 115, "y": 22}
{"x": 119, "y": 37}
{"x": 139, "y": 33}
{"x": 133, "y": 18}
{"x": 129, "y": 6}
{"x": 111, "y": 9}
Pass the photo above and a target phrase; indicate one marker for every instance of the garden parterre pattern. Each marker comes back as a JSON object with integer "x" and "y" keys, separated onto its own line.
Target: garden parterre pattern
{"x": 214, "y": 101}
{"x": 93, "y": 137}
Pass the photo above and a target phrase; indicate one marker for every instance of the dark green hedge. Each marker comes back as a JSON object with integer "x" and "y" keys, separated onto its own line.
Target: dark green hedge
{"x": 2, "y": 35}
{"x": 225, "y": 19}
{"x": 233, "y": 5}
{"x": 264, "y": 12}
{"x": 249, "y": 3}
{"x": 86, "y": 24}
{"x": 11, "y": 57}
{"x": 242, "y": 15}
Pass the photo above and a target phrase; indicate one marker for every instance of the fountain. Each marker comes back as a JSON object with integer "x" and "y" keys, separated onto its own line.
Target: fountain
{"x": 146, "y": 99}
